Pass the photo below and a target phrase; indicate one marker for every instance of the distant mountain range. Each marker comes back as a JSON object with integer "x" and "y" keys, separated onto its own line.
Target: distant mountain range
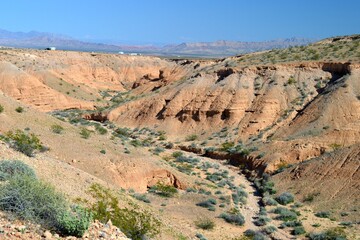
{"x": 221, "y": 48}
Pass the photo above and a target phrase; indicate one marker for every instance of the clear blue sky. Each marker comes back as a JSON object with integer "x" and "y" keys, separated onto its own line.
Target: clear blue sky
{"x": 175, "y": 21}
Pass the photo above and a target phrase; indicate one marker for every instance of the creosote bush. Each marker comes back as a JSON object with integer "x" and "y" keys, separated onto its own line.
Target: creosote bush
{"x": 19, "y": 109}
{"x": 31, "y": 199}
{"x": 205, "y": 223}
{"x": 10, "y": 168}
{"x": 24, "y": 142}
{"x": 1, "y": 108}
{"x": 234, "y": 217}
{"x": 163, "y": 190}
{"x": 135, "y": 223}
{"x": 191, "y": 137}
{"x": 285, "y": 198}
{"x": 85, "y": 133}
{"x": 56, "y": 128}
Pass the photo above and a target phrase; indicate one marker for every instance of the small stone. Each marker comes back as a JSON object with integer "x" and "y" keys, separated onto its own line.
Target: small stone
{"x": 47, "y": 234}
{"x": 109, "y": 223}
{"x": 102, "y": 234}
{"x": 56, "y": 236}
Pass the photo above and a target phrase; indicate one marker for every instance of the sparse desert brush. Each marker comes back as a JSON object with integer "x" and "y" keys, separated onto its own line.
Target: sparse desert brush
{"x": 163, "y": 190}
{"x": 285, "y": 214}
{"x": 31, "y": 199}
{"x": 205, "y": 223}
{"x": 19, "y": 109}
{"x": 56, "y": 128}
{"x": 285, "y": 198}
{"x": 101, "y": 130}
{"x": 141, "y": 197}
{"x": 85, "y": 133}
{"x": 322, "y": 214}
{"x": 10, "y": 168}
{"x": 336, "y": 233}
{"x": 135, "y": 223}
{"x": 262, "y": 221}
{"x": 24, "y": 142}
{"x": 1, "y": 108}
{"x": 191, "y": 137}
{"x": 233, "y": 217}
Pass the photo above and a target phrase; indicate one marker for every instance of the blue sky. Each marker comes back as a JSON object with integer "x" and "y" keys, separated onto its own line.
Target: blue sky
{"x": 170, "y": 21}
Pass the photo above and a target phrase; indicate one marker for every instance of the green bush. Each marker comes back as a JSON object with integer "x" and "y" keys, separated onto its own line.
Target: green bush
{"x": 285, "y": 214}
{"x": 163, "y": 190}
{"x": 233, "y": 217}
{"x": 85, "y": 133}
{"x": 56, "y": 128}
{"x": 134, "y": 222}
{"x": 101, "y": 130}
{"x": 262, "y": 221}
{"x": 191, "y": 137}
{"x": 336, "y": 233}
{"x": 1, "y": 108}
{"x": 205, "y": 223}
{"x": 322, "y": 214}
{"x": 19, "y": 109}
{"x": 177, "y": 154}
{"x": 23, "y": 142}
{"x": 285, "y": 198}
{"x": 141, "y": 197}
{"x": 31, "y": 199}
{"x": 10, "y": 168}
{"x": 298, "y": 230}
{"x": 74, "y": 222}
{"x": 209, "y": 204}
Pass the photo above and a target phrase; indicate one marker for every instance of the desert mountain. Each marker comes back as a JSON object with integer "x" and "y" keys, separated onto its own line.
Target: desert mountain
{"x": 35, "y": 39}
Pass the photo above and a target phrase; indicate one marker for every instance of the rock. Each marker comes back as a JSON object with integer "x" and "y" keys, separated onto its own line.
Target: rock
{"x": 47, "y": 234}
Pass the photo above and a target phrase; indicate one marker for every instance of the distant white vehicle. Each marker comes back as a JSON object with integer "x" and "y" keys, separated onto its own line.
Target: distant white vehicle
{"x": 133, "y": 54}
{"x": 121, "y": 52}
{"x": 51, "y": 48}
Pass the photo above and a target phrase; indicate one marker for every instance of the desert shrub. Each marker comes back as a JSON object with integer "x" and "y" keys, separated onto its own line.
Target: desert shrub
{"x": 23, "y": 142}
{"x": 336, "y": 233}
{"x": 209, "y": 204}
{"x": 254, "y": 235}
{"x": 290, "y": 224}
{"x": 135, "y": 143}
{"x": 191, "y": 137}
{"x": 285, "y": 198}
{"x": 141, "y": 197}
{"x": 56, "y": 128}
{"x": 177, "y": 154}
{"x": 158, "y": 150}
{"x": 268, "y": 201}
{"x": 322, "y": 214}
{"x": 10, "y": 168}
{"x": 101, "y": 130}
{"x": 163, "y": 190}
{"x": 270, "y": 229}
{"x": 262, "y": 221}
{"x": 74, "y": 222}
{"x": 205, "y": 223}
{"x": 184, "y": 159}
{"x": 1, "y": 108}
{"x": 135, "y": 223}
{"x": 103, "y": 151}
{"x": 233, "y": 217}
{"x": 285, "y": 214}
{"x": 85, "y": 133}
{"x": 31, "y": 199}
{"x": 298, "y": 230}
{"x": 121, "y": 132}
{"x": 19, "y": 109}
